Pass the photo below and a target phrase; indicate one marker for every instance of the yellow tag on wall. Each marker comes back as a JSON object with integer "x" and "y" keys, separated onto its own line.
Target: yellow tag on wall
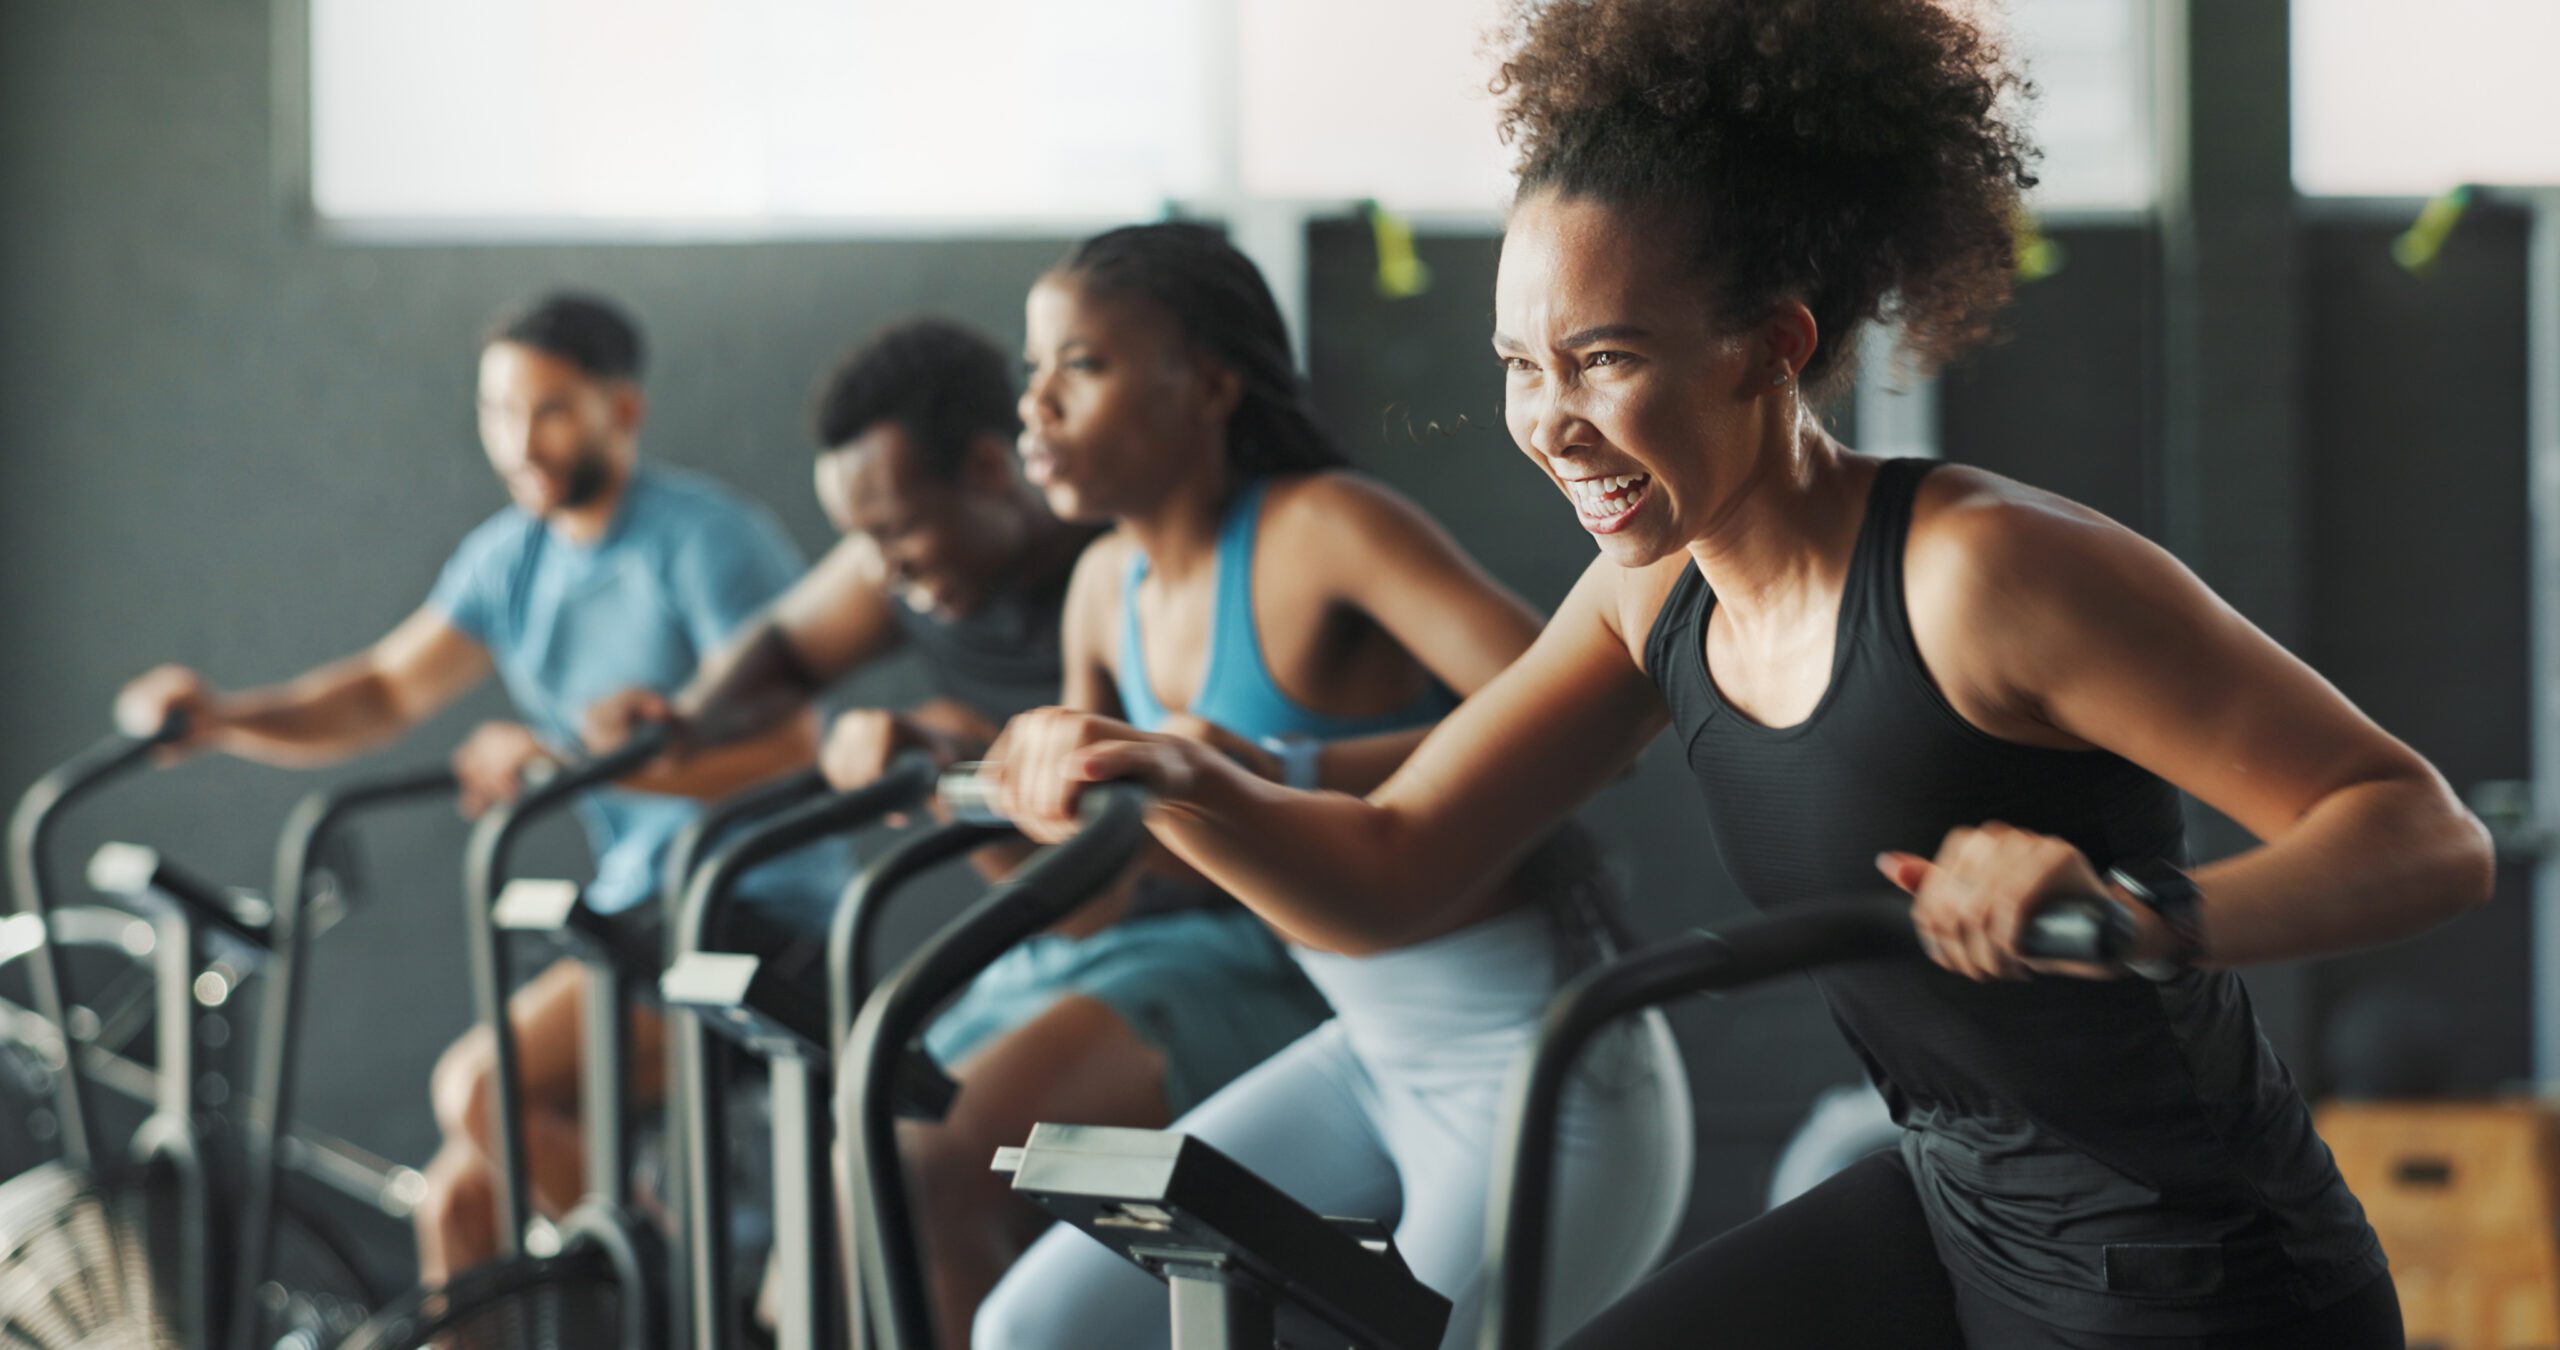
{"x": 1402, "y": 274}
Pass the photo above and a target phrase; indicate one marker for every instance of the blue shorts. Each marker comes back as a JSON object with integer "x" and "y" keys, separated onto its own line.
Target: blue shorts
{"x": 1212, "y": 990}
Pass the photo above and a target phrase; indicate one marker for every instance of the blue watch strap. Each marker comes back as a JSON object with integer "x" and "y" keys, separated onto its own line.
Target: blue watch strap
{"x": 1301, "y": 760}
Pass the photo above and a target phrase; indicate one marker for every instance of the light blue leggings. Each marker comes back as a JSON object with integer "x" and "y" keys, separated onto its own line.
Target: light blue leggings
{"x": 1391, "y": 1111}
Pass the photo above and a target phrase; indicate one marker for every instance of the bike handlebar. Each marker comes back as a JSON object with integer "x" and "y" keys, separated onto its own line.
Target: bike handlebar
{"x": 2076, "y": 928}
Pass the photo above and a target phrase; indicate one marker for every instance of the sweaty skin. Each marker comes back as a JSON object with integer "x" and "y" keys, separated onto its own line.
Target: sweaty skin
{"x": 1372, "y": 601}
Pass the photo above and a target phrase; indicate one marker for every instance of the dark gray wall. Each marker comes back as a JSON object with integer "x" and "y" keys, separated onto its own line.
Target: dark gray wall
{"x": 2063, "y": 400}
{"x": 2413, "y": 437}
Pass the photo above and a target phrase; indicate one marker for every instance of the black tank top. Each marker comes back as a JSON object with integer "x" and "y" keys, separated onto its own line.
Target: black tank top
{"x": 1006, "y": 658}
{"x": 2117, "y": 1156}
{"x": 1003, "y": 659}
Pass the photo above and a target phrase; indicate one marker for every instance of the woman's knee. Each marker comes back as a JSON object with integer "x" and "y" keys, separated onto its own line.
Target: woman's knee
{"x": 1016, "y": 1316}
{"x": 1067, "y": 1293}
{"x": 999, "y": 1325}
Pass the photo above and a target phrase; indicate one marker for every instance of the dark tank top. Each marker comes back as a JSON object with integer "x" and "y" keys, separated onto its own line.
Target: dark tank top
{"x": 2118, "y": 1156}
{"x": 1004, "y": 658}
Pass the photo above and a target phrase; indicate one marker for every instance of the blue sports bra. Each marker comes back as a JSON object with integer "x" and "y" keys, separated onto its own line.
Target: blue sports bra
{"x": 1236, "y": 690}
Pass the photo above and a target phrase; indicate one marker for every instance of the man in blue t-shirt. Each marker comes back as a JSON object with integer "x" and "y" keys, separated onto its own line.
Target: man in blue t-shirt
{"x": 602, "y": 575}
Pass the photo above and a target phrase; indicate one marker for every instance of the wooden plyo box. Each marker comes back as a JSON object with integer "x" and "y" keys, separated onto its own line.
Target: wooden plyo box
{"x": 2466, "y": 1197}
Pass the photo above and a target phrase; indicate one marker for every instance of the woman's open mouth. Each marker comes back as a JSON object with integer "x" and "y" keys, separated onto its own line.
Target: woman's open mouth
{"x": 1608, "y": 502}
{"x": 1039, "y": 463}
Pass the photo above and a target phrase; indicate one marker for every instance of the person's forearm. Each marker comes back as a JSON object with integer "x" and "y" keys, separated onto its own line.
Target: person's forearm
{"x": 747, "y": 689}
{"x": 2370, "y": 864}
{"x": 1330, "y": 870}
{"x": 1359, "y": 766}
{"x": 336, "y": 711}
{"x": 718, "y": 771}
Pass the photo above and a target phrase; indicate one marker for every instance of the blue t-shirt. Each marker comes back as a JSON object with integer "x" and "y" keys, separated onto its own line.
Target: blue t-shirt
{"x": 685, "y": 564}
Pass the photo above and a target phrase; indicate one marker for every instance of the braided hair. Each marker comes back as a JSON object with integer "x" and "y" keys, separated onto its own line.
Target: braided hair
{"x": 1218, "y": 297}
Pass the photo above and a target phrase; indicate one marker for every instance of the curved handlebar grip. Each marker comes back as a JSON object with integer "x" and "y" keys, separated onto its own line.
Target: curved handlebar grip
{"x": 30, "y": 833}
{"x": 646, "y": 743}
{"x": 805, "y": 821}
{"x": 969, "y": 794}
{"x": 2078, "y": 928}
{"x": 2071, "y": 928}
{"x": 693, "y": 843}
{"x": 171, "y": 730}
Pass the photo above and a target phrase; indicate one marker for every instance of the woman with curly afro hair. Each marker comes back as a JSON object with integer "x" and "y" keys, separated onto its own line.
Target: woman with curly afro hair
{"x": 1988, "y": 694}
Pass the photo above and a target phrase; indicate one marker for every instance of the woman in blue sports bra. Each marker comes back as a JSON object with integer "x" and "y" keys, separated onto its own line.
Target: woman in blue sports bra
{"x": 1235, "y": 689}
{"x": 1313, "y": 625}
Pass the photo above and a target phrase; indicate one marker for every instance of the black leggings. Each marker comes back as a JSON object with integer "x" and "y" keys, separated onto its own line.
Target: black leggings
{"x": 1850, "y": 1264}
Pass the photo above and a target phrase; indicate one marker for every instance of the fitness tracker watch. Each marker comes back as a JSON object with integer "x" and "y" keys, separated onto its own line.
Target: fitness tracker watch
{"x": 2171, "y": 894}
{"x": 1301, "y": 758}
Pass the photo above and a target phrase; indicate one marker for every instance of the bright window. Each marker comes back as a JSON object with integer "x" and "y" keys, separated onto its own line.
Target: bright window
{"x": 751, "y": 112}
{"x": 2091, "y": 61}
{"x": 1349, "y": 99}
{"x": 749, "y": 116}
{"x": 1346, "y": 99}
{"x": 2392, "y": 99}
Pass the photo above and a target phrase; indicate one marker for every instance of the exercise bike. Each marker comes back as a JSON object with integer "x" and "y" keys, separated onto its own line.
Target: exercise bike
{"x": 599, "y": 1277}
{"x": 1382, "y": 1298}
{"x": 129, "y": 1249}
{"x": 782, "y": 1020}
{"x": 1747, "y": 952}
{"x": 299, "y": 909}
{"x": 802, "y": 1031}
{"x": 1247, "y": 1266}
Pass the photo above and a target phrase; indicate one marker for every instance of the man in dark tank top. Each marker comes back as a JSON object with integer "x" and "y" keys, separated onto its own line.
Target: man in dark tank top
{"x": 948, "y": 555}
